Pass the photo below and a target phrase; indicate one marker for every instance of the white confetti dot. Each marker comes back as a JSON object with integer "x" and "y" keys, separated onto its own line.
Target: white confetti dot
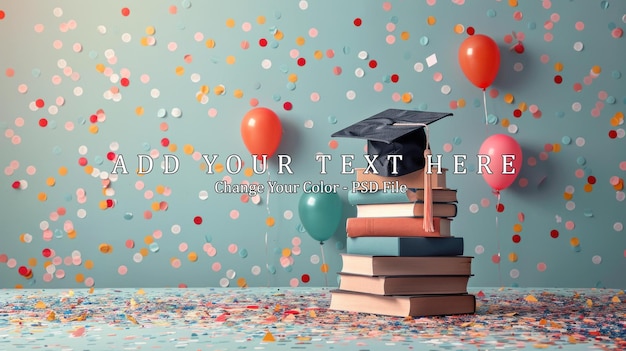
{"x": 431, "y": 60}
{"x": 359, "y": 72}
{"x": 176, "y": 229}
{"x": 82, "y": 150}
{"x": 596, "y": 259}
{"x": 58, "y": 12}
{"x": 512, "y": 128}
{"x": 479, "y": 249}
{"x": 78, "y": 91}
{"x": 61, "y": 63}
{"x": 308, "y": 124}
{"x": 81, "y": 213}
{"x": 351, "y": 94}
{"x": 576, "y": 107}
{"x": 473, "y": 208}
{"x": 570, "y": 205}
{"x": 514, "y": 273}
{"x": 315, "y": 259}
{"x": 363, "y": 55}
{"x": 266, "y": 64}
{"x": 445, "y": 89}
{"x": 288, "y": 214}
{"x": 231, "y": 274}
{"x": 580, "y": 141}
{"x": 224, "y": 282}
{"x": 195, "y": 77}
{"x": 176, "y": 112}
{"x": 155, "y": 93}
{"x": 569, "y": 189}
{"x": 126, "y": 38}
{"x": 102, "y": 29}
{"x": 578, "y": 46}
{"x": 137, "y": 257}
{"x": 518, "y": 67}
{"x": 203, "y": 195}
{"x": 620, "y": 195}
{"x": 256, "y": 199}
{"x": 255, "y": 270}
{"x": 618, "y": 226}
{"x": 418, "y": 67}
{"x": 303, "y": 5}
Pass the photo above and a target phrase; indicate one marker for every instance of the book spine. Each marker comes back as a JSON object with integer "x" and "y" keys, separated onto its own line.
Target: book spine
{"x": 405, "y": 210}
{"x": 394, "y": 227}
{"x": 405, "y": 246}
{"x": 377, "y": 197}
{"x": 371, "y": 181}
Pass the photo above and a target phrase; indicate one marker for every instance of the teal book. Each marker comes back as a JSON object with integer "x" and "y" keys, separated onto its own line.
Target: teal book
{"x": 390, "y": 197}
{"x": 405, "y": 246}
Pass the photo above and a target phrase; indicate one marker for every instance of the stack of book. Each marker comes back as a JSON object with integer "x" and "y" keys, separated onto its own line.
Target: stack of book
{"x": 392, "y": 265}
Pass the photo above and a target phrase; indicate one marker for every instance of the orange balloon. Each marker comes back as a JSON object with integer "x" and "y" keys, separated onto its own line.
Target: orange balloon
{"x": 261, "y": 131}
{"x": 479, "y": 57}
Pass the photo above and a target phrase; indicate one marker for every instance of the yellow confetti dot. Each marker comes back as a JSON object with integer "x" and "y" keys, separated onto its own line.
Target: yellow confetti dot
{"x": 219, "y": 90}
{"x": 144, "y": 251}
{"x": 105, "y": 248}
{"x": 589, "y": 303}
{"x": 574, "y": 241}
{"x": 88, "y": 264}
{"x": 513, "y": 3}
{"x": 318, "y": 54}
{"x": 88, "y": 169}
{"x": 139, "y": 111}
{"x": 269, "y": 337}
{"x": 210, "y": 43}
{"x": 102, "y": 205}
{"x": 567, "y": 196}
{"x": 62, "y": 171}
{"x": 50, "y": 181}
{"x": 522, "y": 106}
{"x": 230, "y": 23}
{"x": 230, "y": 60}
{"x": 248, "y": 172}
{"x": 596, "y": 69}
{"x": 204, "y": 89}
{"x": 180, "y": 70}
{"x": 188, "y": 149}
{"x": 79, "y": 278}
{"x": 556, "y": 147}
{"x": 150, "y": 30}
{"x": 192, "y": 257}
{"x": 286, "y": 252}
{"x": 71, "y": 234}
{"x": 508, "y": 98}
{"x": 172, "y": 147}
{"x": 51, "y": 316}
{"x": 270, "y": 221}
{"x": 558, "y": 66}
{"x": 100, "y": 67}
{"x": 143, "y": 41}
{"x": 292, "y": 78}
{"x": 300, "y": 41}
{"x": 505, "y": 122}
{"x": 93, "y": 129}
{"x": 155, "y": 206}
{"x": 219, "y": 168}
{"x": 530, "y": 298}
{"x": 260, "y": 20}
{"x": 458, "y": 28}
{"x": 616, "y": 299}
{"x": 159, "y": 189}
{"x": 405, "y": 35}
{"x": 517, "y": 227}
{"x": 238, "y": 93}
{"x": 324, "y": 268}
{"x": 279, "y": 35}
{"x": 461, "y": 103}
{"x": 407, "y": 98}
{"x": 40, "y": 305}
{"x": 588, "y": 188}
{"x": 513, "y": 257}
{"x": 620, "y": 185}
{"x": 242, "y": 283}
{"x": 32, "y": 262}
{"x": 148, "y": 239}
{"x": 42, "y": 197}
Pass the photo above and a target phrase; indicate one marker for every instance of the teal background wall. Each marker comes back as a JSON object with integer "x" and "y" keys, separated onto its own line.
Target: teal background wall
{"x": 188, "y": 71}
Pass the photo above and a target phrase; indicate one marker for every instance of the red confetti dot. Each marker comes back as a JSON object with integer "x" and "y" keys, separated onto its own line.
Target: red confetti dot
{"x": 43, "y": 122}
{"x": 395, "y": 78}
{"x": 110, "y": 155}
{"x": 288, "y": 106}
{"x": 125, "y": 11}
{"x": 591, "y": 180}
{"x": 305, "y": 278}
{"x": 358, "y": 22}
{"x": 2, "y": 15}
{"x": 16, "y": 184}
{"x": 373, "y": 63}
{"x": 39, "y": 103}
{"x": 554, "y": 233}
{"x": 301, "y": 61}
{"x": 519, "y": 48}
{"x": 517, "y": 113}
{"x": 93, "y": 118}
{"x": 263, "y": 42}
{"x": 517, "y": 238}
{"x": 23, "y": 270}
{"x": 125, "y": 82}
{"x": 470, "y": 30}
{"x": 558, "y": 79}
{"x": 197, "y": 220}
{"x": 500, "y": 208}
{"x": 82, "y": 161}
{"x": 46, "y": 252}
{"x": 165, "y": 142}
{"x": 110, "y": 203}
{"x": 612, "y": 134}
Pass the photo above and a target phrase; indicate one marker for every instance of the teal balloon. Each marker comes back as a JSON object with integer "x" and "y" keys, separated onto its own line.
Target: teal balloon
{"x": 320, "y": 214}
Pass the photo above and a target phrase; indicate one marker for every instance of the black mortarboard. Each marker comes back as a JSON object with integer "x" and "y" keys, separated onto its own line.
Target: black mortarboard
{"x": 395, "y": 132}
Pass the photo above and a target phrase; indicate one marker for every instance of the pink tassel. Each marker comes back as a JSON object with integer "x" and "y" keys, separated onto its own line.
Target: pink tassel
{"x": 428, "y": 198}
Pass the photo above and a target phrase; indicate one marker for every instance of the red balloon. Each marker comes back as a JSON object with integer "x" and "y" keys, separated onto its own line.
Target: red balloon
{"x": 261, "y": 131}
{"x": 479, "y": 57}
{"x": 505, "y": 160}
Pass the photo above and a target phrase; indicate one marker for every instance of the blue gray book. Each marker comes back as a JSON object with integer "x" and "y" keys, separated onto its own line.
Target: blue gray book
{"x": 405, "y": 246}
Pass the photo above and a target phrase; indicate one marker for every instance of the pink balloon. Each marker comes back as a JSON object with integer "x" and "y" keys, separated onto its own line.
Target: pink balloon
{"x": 505, "y": 160}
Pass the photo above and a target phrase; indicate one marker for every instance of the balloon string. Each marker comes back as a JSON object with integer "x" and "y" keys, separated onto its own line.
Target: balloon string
{"x": 497, "y": 193}
{"x": 324, "y": 263}
{"x": 267, "y": 264}
{"x": 267, "y": 208}
{"x": 485, "y": 106}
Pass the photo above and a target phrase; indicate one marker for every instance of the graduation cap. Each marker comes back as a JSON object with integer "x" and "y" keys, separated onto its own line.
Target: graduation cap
{"x": 398, "y": 132}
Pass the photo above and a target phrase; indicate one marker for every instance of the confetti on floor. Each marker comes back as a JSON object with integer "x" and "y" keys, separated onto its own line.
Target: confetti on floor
{"x": 299, "y": 318}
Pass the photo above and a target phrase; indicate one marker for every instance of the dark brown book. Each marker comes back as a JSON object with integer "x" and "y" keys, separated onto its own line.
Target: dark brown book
{"x": 404, "y": 284}
{"x": 402, "y": 306}
{"x": 406, "y": 265}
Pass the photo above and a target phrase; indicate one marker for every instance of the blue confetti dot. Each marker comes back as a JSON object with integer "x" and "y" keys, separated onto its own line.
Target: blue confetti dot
{"x": 612, "y": 25}
{"x": 588, "y": 171}
{"x": 276, "y": 97}
{"x": 616, "y": 74}
{"x": 128, "y": 216}
{"x": 566, "y": 140}
{"x": 424, "y": 41}
{"x": 339, "y": 245}
{"x": 456, "y": 140}
{"x": 423, "y": 106}
{"x": 588, "y": 213}
{"x": 332, "y": 119}
{"x": 560, "y": 114}
{"x": 154, "y": 247}
{"x": 256, "y": 85}
{"x": 271, "y": 268}
{"x": 610, "y": 100}
{"x": 98, "y": 160}
{"x": 68, "y": 197}
{"x": 278, "y": 15}
{"x": 492, "y": 119}
{"x": 145, "y": 146}
{"x": 288, "y": 269}
{"x": 300, "y": 228}
{"x": 491, "y": 13}
{"x": 291, "y": 86}
{"x": 394, "y": 19}
{"x": 387, "y": 79}
{"x": 274, "y": 44}
{"x": 576, "y": 248}
{"x": 243, "y": 253}
{"x": 477, "y": 103}
{"x": 93, "y": 54}
{"x": 581, "y": 161}
{"x": 56, "y": 150}
{"x": 186, "y": 4}
{"x": 346, "y": 50}
{"x": 532, "y": 25}
{"x": 208, "y": 238}
{"x": 604, "y": 5}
